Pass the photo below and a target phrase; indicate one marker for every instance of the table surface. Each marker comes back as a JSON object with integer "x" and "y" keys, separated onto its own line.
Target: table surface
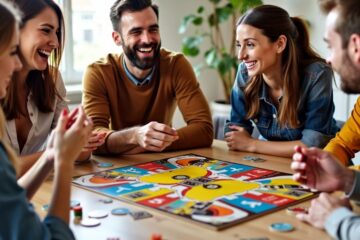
{"x": 172, "y": 227}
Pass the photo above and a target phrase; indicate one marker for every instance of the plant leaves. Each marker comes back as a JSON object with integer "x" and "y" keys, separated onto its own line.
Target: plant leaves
{"x": 190, "y": 45}
{"x": 185, "y": 23}
{"x": 244, "y": 5}
{"x": 200, "y": 9}
{"x": 211, "y": 58}
{"x": 215, "y": 1}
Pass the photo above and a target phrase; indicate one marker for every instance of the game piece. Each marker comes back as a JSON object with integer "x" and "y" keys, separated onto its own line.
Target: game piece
{"x": 77, "y": 214}
{"x": 281, "y": 227}
{"x": 97, "y": 214}
{"x": 89, "y": 222}
{"x": 212, "y": 192}
{"x": 156, "y": 236}
{"x": 296, "y": 210}
{"x": 104, "y": 164}
{"x": 253, "y": 159}
{"x": 45, "y": 207}
{"x": 120, "y": 211}
{"x": 140, "y": 215}
{"x": 74, "y": 203}
{"x": 106, "y": 200}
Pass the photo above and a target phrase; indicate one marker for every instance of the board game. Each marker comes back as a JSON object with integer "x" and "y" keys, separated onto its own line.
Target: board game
{"x": 213, "y": 192}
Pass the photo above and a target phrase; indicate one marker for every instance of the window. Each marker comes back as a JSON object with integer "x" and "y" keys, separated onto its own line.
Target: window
{"x": 88, "y": 36}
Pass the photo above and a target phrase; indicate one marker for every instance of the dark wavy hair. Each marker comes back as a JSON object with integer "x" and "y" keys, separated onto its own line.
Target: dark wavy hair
{"x": 42, "y": 84}
{"x": 273, "y": 22}
{"x": 120, "y": 6}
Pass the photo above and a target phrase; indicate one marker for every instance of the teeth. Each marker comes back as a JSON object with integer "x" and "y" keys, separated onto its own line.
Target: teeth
{"x": 250, "y": 64}
{"x": 145, "y": 50}
{"x": 44, "y": 52}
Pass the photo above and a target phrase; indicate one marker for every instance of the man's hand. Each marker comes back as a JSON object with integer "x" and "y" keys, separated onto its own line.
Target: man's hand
{"x": 155, "y": 136}
{"x": 239, "y": 139}
{"x": 319, "y": 169}
{"x": 321, "y": 208}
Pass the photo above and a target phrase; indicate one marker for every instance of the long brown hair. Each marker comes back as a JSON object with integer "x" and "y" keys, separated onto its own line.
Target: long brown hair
{"x": 42, "y": 84}
{"x": 10, "y": 18}
{"x": 274, "y": 21}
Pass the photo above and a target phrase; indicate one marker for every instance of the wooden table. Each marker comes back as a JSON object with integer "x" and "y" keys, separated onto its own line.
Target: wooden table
{"x": 125, "y": 228}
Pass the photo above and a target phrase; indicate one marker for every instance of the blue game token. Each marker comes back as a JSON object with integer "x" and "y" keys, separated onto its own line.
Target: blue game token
{"x": 45, "y": 207}
{"x": 104, "y": 164}
{"x": 120, "y": 211}
{"x": 281, "y": 227}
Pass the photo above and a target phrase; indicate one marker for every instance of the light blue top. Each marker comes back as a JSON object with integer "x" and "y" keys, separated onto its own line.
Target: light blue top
{"x": 343, "y": 223}
{"x": 137, "y": 81}
{"x": 315, "y": 115}
{"x": 18, "y": 220}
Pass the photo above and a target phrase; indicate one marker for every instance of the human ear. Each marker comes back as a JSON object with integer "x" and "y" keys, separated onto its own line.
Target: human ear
{"x": 354, "y": 47}
{"x": 117, "y": 38}
{"x": 281, "y": 43}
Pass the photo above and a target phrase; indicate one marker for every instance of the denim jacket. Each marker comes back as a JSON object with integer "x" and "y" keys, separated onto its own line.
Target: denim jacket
{"x": 317, "y": 125}
{"x": 18, "y": 217}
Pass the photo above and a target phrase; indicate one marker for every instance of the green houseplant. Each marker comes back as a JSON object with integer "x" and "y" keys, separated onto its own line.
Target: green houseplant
{"x": 210, "y": 23}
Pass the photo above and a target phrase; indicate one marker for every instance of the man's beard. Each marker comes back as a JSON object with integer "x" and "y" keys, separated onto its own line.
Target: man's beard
{"x": 350, "y": 76}
{"x": 144, "y": 63}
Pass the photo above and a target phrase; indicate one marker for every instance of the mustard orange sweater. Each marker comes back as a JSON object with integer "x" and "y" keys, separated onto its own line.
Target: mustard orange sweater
{"x": 347, "y": 141}
{"x": 115, "y": 104}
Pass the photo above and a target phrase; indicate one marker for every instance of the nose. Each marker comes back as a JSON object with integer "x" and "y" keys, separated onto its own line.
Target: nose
{"x": 146, "y": 37}
{"x": 54, "y": 41}
{"x": 242, "y": 55}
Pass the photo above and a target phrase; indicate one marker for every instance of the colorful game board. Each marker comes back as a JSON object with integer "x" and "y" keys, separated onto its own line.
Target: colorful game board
{"x": 214, "y": 192}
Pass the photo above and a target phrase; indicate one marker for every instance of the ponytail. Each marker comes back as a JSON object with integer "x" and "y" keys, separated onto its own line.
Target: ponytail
{"x": 306, "y": 54}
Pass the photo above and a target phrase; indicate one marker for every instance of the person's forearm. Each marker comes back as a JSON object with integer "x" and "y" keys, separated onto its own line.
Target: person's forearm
{"x": 27, "y": 161}
{"x": 121, "y": 141}
{"x": 276, "y": 148}
{"x": 60, "y": 200}
{"x": 342, "y": 223}
{"x": 33, "y": 178}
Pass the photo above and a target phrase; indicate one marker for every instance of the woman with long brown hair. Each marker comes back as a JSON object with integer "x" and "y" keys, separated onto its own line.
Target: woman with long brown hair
{"x": 18, "y": 218}
{"x": 283, "y": 87}
{"x": 36, "y": 96}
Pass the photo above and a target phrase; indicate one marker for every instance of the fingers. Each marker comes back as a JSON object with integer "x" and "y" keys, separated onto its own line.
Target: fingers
{"x": 62, "y": 122}
{"x": 72, "y": 118}
{"x": 163, "y": 128}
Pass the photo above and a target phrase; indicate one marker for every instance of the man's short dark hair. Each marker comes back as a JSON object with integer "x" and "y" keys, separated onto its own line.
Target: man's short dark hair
{"x": 348, "y": 21}
{"x": 120, "y": 6}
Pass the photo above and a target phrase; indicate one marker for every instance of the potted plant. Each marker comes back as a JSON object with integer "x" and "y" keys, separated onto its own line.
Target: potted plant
{"x": 210, "y": 24}
{"x": 214, "y": 23}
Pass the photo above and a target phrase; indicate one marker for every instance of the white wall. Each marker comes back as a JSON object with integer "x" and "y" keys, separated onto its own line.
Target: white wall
{"x": 172, "y": 11}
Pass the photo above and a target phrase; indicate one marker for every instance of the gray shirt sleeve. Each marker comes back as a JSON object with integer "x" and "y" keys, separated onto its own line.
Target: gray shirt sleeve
{"x": 342, "y": 223}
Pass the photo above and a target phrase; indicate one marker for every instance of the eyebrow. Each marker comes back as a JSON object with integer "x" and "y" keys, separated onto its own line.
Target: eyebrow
{"x": 247, "y": 39}
{"x": 140, "y": 28}
{"x": 47, "y": 25}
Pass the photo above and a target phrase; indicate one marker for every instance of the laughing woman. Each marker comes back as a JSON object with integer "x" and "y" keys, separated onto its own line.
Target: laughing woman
{"x": 37, "y": 93}
{"x": 18, "y": 218}
{"x": 282, "y": 86}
